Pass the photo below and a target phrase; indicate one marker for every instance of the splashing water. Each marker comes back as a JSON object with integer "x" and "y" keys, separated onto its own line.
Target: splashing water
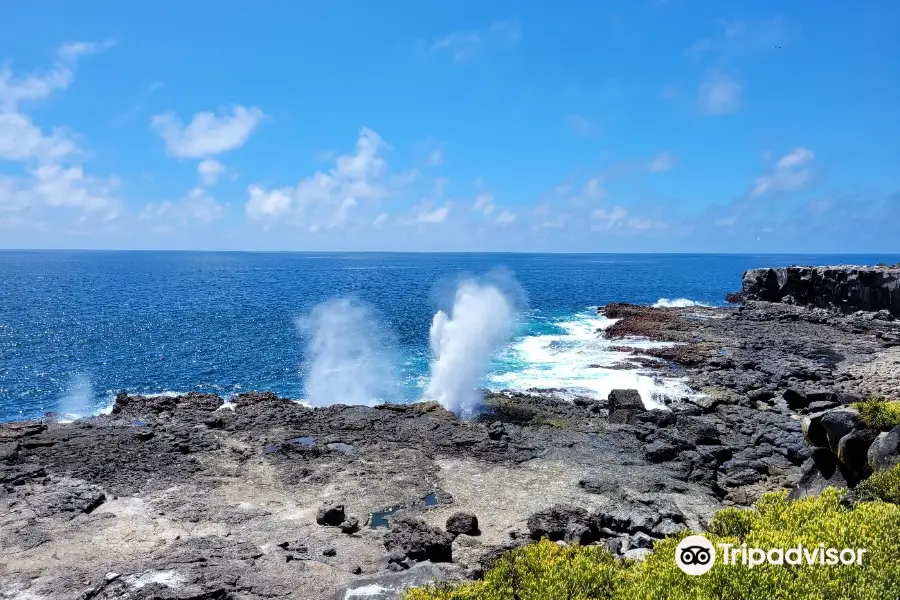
{"x": 677, "y": 303}
{"x": 463, "y": 342}
{"x": 349, "y": 359}
{"x": 78, "y": 401}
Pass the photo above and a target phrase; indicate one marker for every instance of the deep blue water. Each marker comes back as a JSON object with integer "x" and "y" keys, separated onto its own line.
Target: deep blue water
{"x": 152, "y": 322}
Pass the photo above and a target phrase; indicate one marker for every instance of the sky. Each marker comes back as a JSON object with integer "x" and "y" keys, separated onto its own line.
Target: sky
{"x": 606, "y": 126}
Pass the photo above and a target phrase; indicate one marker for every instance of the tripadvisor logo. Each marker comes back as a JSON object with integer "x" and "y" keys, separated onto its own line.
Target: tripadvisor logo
{"x": 696, "y": 555}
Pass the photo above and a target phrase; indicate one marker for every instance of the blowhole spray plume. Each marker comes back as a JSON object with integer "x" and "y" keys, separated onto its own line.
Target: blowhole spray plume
{"x": 79, "y": 399}
{"x": 347, "y": 358}
{"x": 463, "y": 342}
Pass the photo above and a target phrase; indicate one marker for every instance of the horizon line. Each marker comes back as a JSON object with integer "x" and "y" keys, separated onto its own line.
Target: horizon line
{"x": 179, "y": 250}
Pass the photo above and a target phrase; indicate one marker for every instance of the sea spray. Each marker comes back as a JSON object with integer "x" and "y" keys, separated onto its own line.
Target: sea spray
{"x": 79, "y": 399}
{"x": 348, "y": 359}
{"x": 463, "y": 342}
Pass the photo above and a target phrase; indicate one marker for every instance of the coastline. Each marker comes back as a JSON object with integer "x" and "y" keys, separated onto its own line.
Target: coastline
{"x": 180, "y": 497}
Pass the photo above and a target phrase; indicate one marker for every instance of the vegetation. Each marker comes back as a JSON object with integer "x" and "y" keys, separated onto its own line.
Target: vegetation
{"x": 883, "y": 485}
{"x": 547, "y": 571}
{"x": 879, "y": 413}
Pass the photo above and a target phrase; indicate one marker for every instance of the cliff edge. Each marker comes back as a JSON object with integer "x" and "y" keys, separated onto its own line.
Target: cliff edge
{"x": 845, "y": 288}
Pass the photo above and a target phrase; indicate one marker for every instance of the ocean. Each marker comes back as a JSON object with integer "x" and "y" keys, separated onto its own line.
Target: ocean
{"x": 77, "y": 327}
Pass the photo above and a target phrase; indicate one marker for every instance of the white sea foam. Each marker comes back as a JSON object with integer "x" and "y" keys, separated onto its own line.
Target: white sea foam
{"x": 676, "y": 303}
{"x": 582, "y": 361}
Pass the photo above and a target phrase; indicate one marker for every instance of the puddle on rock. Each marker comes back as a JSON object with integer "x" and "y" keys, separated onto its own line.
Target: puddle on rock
{"x": 303, "y": 442}
{"x": 380, "y": 519}
{"x": 341, "y": 447}
{"x": 432, "y": 500}
{"x": 271, "y": 449}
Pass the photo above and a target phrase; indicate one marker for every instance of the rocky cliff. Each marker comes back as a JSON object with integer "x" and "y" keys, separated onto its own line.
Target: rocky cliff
{"x": 844, "y": 288}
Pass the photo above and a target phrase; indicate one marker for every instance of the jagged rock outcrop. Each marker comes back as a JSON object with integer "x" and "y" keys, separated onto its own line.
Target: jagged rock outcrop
{"x": 844, "y": 288}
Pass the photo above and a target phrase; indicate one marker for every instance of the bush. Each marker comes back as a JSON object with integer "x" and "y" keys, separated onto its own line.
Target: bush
{"x": 546, "y": 571}
{"x": 883, "y": 485}
{"x": 878, "y": 413}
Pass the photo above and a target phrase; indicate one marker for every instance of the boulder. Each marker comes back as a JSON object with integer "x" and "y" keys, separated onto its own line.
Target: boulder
{"x": 598, "y": 485}
{"x": 349, "y": 525}
{"x": 462, "y": 523}
{"x": 813, "y": 432}
{"x": 655, "y": 418}
{"x": 624, "y": 405}
{"x": 884, "y": 452}
{"x": 795, "y": 400}
{"x": 838, "y": 423}
{"x": 853, "y": 450}
{"x": 418, "y": 540}
{"x": 552, "y": 523}
{"x": 578, "y": 533}
{"x": 330, "y": 514}
{"x": 822, "y": 469}
{"x": 694, "y": 431}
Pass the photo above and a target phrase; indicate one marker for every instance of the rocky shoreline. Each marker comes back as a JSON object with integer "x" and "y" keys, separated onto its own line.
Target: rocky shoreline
{"x": 191, "y": 497}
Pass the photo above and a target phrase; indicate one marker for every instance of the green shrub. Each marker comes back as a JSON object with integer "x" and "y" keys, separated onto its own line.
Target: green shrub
{"x": 878, "y": 413}
{"x": 546, "y": 571}
{"x": 883, "y": 485}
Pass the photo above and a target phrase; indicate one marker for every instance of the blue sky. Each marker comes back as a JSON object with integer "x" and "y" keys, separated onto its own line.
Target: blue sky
{"x": 644, "y": 125}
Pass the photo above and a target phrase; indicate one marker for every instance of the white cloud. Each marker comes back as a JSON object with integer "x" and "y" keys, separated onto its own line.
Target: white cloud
{"x": 437, "y": 215}
{"x": 482, "y": 201}
{"x": 552, "y": 222}
{"x": 719, "y": 95}
{"x": 466, "y": 45}
{"x": 593, "y": 189}
{"x": 792, "y": 172}
{"x": 326, "y": 200}
{"x": 36, "y": 86}
{"x": 795, "y": 158}
{"x": 51, "y": 180}
{"x": 54, "y": 186}
{"x": 207, "y": 134}
{"x": 21, "y": 140}
{"x": 267, "y": 203}
{"x": 506, "y": 217}
{"x": 662, "y": 162}
{"x": 210, "y": 170}
{"x": 603, "y": 218}
{"x": 198, "y": 207}
{"x": 380, "y": 221}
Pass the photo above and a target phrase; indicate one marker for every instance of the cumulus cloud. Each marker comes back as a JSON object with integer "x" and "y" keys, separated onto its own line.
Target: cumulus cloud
{"x": 56, "y": 186}
{"x": 36, "y": 86}
{"x": 438, "y": 215}
{"x": 792, "y": 172}
{"x": 52, "y": 179}
{"x": 210, "y": 170}
{"x": 21, "y": 140}
{"x": 484, "y": 203}
{"x": 607, "y": 218}
{"x": 506, "y": 217}
{"x": 207, "y": 134}
{"x": 326, "y": 200}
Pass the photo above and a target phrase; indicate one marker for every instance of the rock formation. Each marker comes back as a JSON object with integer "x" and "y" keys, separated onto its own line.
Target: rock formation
{"x": 845, "y": 288}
